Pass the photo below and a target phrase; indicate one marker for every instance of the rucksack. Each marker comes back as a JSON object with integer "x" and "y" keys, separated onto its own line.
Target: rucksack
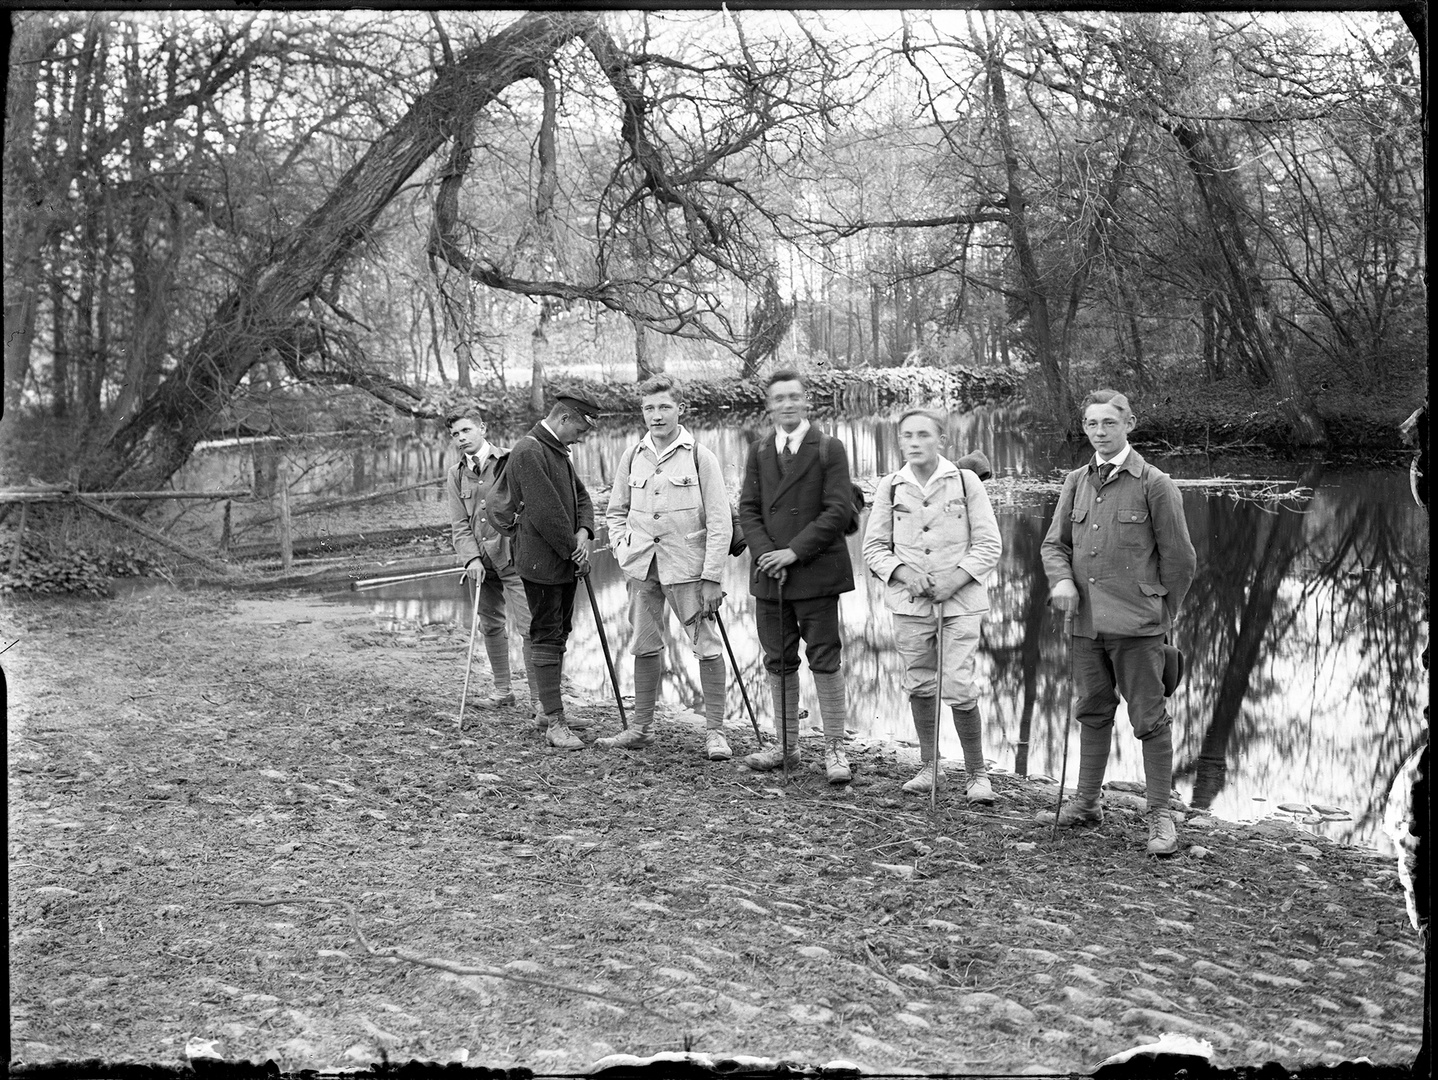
{"x": 503, "y": 504}
{"x": 860, "y": 500}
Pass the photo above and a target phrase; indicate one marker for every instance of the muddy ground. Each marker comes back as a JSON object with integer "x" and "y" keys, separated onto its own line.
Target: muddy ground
{"x": 173, "y": 753}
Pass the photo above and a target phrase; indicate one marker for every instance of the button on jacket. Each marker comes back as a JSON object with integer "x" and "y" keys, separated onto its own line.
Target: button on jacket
{"x": 660, "y": 510}
{"x": 554, "y": 506}
{"x": 805, "y": 510}
{"x": 946, "y": 525}
{"x": 1125, "y": 546}
{"x": 467, "y": 491}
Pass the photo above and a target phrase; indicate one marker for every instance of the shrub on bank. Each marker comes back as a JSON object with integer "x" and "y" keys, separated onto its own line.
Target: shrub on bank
{"x": 869, "y": 388}
{"x": 78, "y": 571}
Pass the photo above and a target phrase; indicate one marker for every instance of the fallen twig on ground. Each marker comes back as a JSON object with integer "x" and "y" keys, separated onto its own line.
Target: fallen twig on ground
{"x": 393, "y": 953}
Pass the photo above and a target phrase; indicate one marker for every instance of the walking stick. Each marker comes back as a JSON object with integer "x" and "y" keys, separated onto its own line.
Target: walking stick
{"x": 734, "y": 666}
{"x": 783, "y": 686}
{"x": 1068, "y": 724}
{"x": 469, "y": 663}
{"x": 938, "y": 710}
{"x": 608, "y": 659}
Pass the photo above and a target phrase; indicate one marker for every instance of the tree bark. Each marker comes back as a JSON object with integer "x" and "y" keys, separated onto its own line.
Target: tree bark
{"x": 1258, "y": 333}
{"x": 1030, "y": 281}
{"x": 257, "y": 319}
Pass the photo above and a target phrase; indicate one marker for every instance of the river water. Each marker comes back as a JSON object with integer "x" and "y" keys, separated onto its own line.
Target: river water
{"x": 1302, "y": 633}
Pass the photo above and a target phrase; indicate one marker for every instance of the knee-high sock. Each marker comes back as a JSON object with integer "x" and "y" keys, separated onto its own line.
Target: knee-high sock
{"x": 497, "y": 649}
{"x": 790, "y": 691}
{"x": 647, "y": 670}
{"x": 712, "y": 681}
{"x": 833, "y": 708}
{"x": 1093, "y": 758}
{"x": 926, "y": 724}
{"x": 971, "y": 738}
{"x": 529, "y": 673}
{"x": 548, "y": 675}
{"x": 1158, "y": 768}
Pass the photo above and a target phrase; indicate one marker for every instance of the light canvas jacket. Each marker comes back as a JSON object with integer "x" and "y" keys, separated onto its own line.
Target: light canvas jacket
{"x": 1125, "y": 546}
{"x": 470, "y": 529}
{"x": 661, "y": 508}
{"x": 934, "y": 528}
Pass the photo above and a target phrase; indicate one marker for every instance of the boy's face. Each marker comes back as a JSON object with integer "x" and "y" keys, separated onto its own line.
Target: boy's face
{"x": 787, "y": 403}
{"x": 467, "y": 434}
{"x": 661, "y": 414}
{"x": 572, "y": 428}
{"x": 920, "y": 441}
{"x": 1107, "y": 428}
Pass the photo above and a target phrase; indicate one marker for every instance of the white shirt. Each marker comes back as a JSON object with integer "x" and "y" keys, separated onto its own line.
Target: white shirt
{"x": 945, "y": 467}
{"x": 1117, "y": 460}
{"x": 557, "y": 439}
{"x": 793, "y": 438}
{"x": 682, "y": 438}
{"x": 477, "y": 459}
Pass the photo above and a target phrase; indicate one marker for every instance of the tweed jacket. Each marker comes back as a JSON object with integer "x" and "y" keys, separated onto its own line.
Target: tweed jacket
{"x": 554, "y": 505}
{"x": 660, "y": 510}
{"x": 934, "y": 528}
{"x": 804, "y": 510}
{"x": 1126, "y": 548}
{"x": 471, "y": 532}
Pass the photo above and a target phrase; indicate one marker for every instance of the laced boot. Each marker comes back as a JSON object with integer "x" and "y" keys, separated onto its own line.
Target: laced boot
{"x": 924, "y": 781}
{"x": 836, "y": 762}
{"x": 1162, "y": 836}
{"x": 559, "y": 736}
{"x": 1081, "y": 810}
{"x": 634, "y": 738}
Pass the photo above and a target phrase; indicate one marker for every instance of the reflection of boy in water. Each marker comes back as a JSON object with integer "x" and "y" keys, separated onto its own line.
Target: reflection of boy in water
{"x": 932, "y": 538}
{"x": 1118, "y": 555}
{"x": 485, "y": 552}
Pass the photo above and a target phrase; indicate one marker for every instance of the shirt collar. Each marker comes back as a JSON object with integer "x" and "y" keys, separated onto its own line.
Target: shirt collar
{"x": 944, "y": 468}
{"x": 557, "y": 439}
{"x": 797, "y": 436}
{"x": 682, "y": 439}
{"x": 477, "y": 459}
{"x": 1117, "y": 460}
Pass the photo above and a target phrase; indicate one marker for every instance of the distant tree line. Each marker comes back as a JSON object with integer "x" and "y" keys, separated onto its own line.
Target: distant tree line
{"x": 200, "y": 207}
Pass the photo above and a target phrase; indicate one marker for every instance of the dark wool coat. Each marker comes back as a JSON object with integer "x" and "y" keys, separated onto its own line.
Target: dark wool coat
{"x": 554, "y": 506}
{"x": 805, "y": 510}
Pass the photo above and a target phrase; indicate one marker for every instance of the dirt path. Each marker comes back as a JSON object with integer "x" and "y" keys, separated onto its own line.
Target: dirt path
{"x": 172, "y": 752}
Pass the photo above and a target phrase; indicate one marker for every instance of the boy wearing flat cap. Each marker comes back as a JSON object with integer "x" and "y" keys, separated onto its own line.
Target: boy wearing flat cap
{"x": 552, "y": 545}
{"x": 1118, "y": 556}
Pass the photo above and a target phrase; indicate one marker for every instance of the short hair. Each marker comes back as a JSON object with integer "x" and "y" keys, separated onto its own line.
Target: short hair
{"x": 661, "y": 384}
{"x": 463, "y": 413}
{"x": 1107, "y": 397}
{"x": 785, "y": 375}
{"x": 940, "y": 423}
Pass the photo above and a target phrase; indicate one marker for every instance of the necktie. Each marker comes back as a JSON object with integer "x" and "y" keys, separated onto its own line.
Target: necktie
{"x": 787, "y": 457}
{"x": 1104, "y": 472}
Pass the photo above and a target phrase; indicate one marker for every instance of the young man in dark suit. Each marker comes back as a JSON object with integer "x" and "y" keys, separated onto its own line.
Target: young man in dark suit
{"x": 796, "y": 502}
{"x": 552, "y": 545}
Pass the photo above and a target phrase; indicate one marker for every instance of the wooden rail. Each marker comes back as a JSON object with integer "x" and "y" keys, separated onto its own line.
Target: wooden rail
{"x": 60, "y": 494}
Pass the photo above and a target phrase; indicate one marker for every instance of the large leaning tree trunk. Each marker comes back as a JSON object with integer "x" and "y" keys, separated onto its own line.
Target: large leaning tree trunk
{"x": 259, "y": 319}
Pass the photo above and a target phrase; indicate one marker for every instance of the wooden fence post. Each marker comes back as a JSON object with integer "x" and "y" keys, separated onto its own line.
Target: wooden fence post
{"x": 19, "y": 539}
{"x": 282, "y": 481}
{"x": 226, "y": 537}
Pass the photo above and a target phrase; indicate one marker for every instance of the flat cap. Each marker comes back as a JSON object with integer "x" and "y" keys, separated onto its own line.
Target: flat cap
{"x": 583, "y": 406}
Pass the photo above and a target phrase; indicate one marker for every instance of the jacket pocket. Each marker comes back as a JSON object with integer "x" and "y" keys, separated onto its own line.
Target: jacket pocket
{"x": 1078, "y": 513}
{"x": 1151, "y": 590}
{"x": 1134, "y": 530}
{"x": 682, "y": 492}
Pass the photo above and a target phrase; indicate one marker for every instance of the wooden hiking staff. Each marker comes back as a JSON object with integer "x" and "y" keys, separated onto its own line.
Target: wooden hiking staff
{"x": 1068, "y": 724}
{"x": 473, "y": 636}
{"x": 938, "y": 710}
{"x": 734, "y": 667}
{"x": 608, "y": 659}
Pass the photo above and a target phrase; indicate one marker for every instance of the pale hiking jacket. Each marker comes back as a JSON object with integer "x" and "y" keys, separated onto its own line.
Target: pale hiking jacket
{"x": 934, "y": 529}
{"x": 660, "y": 510}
